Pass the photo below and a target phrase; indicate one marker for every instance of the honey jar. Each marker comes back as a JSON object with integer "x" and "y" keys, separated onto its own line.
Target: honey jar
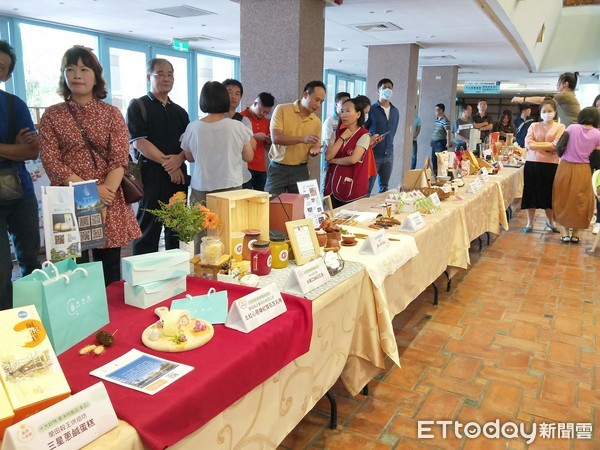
{"x": 279, "y": 250}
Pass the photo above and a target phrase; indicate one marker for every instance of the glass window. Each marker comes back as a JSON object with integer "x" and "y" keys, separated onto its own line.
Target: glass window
{"x": 179, "y": 94}
{"x": 213, "y": 68}
{"x": 329, "y": 103}
{"x": 127, "y": 76}
{"x": 41, "y": 63}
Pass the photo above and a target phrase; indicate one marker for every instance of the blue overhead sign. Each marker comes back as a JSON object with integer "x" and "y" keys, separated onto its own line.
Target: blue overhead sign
{"x": 482, "y": 88}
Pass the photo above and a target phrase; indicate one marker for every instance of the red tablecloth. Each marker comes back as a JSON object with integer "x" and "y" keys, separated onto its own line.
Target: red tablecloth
{"x": 225, "y": 369}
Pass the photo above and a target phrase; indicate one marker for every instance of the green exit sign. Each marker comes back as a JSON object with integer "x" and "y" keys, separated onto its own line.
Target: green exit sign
{"x": 182, "y": 46}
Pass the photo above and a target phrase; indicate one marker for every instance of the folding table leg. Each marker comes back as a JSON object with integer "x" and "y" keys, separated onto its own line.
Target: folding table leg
{"x": 480, "y": 243}
{"x": 365, "y": 390}
{"x": 487, "y": 233}
{"x": 333, "y": 416}
{"x": 435, "y": 294}
{"x": 449, "y": 285}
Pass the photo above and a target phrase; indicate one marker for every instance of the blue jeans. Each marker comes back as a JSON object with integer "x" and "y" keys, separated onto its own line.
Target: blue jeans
{"x": 20, "y": 220}
{"x": 384, "y": 166}
{"x": 437, "y": 146}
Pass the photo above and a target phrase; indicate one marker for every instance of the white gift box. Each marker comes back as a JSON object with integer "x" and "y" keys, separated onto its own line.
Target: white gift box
{"x": 149, "y": 294}
{"x": 142, "y": 269}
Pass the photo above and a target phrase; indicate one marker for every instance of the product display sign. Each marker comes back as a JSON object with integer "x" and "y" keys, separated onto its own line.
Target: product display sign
{"x": 375, "y": 243}
{"x": 307, "y": 277}
{"x": 414, "y": 222}
{"x": 435, "y": 199}
{"x": 72, "y": 423}
{"x": 475, "y": 186}
{"x": 255, "y": 309}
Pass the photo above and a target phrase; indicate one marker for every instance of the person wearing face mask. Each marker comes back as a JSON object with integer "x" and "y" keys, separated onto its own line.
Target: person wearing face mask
{"x": 540, "y": 165}
{"x": 567, "y": 104}
{"x": 382, "y": 124}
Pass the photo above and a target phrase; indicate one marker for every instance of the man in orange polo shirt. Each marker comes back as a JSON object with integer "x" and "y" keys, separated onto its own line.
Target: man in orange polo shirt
{"x": 255, "y": 119}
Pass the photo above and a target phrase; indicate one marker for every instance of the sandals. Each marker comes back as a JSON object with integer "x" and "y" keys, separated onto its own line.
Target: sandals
{"x": 566, "y": 239}
{"x": 552, "y": 228}
{"x": 527, "y": 229}
{"x": 575, "y": 239}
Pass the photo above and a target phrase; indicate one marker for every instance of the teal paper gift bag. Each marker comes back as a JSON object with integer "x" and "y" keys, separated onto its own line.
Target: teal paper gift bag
{"x": 70, "y": 299}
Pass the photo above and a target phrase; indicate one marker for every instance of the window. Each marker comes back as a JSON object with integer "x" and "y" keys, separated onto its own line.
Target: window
{"x": 42, "y": 62}
{"x": 213, "y": 68}
{"x": 127, "y": 76}
{"x": 341, "y": 82}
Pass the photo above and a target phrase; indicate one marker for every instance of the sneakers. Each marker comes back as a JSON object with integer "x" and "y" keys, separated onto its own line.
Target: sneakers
{"x": 596, "y": 228}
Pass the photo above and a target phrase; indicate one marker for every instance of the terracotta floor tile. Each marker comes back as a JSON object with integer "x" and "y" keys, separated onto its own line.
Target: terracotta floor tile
{"x": 408, "y": 445}
{"x": 407, "y": 375}
{"x": 479, "y": 334}
{"x": 344, "y": 440}
{"x": 395, "y": 394}
{"x": 462, "y": 367}
{"x": 567, "y": 326}
{"x": 471, "y": 349}
{"x": 430, "y": 340}
{"x": 564, "y": 353}
{"x": 415, "y": 354}
{"x": 519, "y": 379}
{"x": 450, "y": 384}
{"x": 578, "y": 341}
{"x": 502, "y": 398}
{"x": 439, "y": 405}
{"x": 513, "y": 358}
{"x": 589, "y": 396}
{"x": 373, "y": 417}
{"x": 525, "y": 330}
{"x": 581, "y": 374}
{"x": 346, "y": 406}
{"x": 306, "y": 430}
{"x": 558, "y": 390}
{"x": 522, "y": 344}
{"x": 547, "y": 410}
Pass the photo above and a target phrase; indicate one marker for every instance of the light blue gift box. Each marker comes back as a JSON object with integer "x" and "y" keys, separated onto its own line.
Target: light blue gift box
{"x": 142, "y": 269}
{"x": 149, "y": 294}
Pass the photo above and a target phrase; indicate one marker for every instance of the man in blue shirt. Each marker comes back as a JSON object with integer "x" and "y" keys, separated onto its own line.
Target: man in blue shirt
{"x": 383, "y": 121}
{"x": 18, "y": 217}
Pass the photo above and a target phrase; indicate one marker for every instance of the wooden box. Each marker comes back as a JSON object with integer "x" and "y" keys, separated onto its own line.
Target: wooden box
{"x": 239, "y": 210}
{"x": 283, "y": 208}
{"x": 29, "y": 369}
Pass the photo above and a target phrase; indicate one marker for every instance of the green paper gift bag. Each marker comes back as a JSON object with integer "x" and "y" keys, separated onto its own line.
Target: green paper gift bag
{"x": 69, "y": 297}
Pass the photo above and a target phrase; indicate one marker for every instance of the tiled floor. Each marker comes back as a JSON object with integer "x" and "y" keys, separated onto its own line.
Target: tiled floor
{"x": 516, "y": 339}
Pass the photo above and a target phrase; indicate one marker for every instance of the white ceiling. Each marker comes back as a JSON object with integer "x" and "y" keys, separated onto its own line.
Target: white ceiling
{"x": 449, "y": 32}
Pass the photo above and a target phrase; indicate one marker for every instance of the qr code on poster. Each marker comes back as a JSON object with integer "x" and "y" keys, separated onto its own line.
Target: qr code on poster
{"x": 86, "y": 235}
{"x": 84, "y": 221}
{"x": 96, "y": 219}
{"x": 97, "y": 233}
{"x": 59, "y": 239}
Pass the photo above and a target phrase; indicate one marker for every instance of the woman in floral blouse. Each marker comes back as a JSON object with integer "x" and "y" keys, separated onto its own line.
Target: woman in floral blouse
{"x": 67, "y": 157}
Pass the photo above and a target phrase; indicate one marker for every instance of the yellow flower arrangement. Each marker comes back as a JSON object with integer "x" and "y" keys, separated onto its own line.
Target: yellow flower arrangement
{"x": 185, "y": 221}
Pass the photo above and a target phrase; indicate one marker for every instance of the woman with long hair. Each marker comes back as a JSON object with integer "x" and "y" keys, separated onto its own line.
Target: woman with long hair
{"x": 505, "y": 125}
{"x": 67, "y": 157}
{"x": 541, "y": 162}
{"x": 347, "y": 175}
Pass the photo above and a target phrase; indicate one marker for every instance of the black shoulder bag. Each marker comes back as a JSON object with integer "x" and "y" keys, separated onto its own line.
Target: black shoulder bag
{"x": 561, "y": 145}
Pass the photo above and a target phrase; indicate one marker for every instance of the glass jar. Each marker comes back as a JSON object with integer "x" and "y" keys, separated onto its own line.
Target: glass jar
{"x": 260, "y": 258}
{"x": 279, "y": 250}
{"x": 211, "y": 250}
{"x": 250, "y": 236}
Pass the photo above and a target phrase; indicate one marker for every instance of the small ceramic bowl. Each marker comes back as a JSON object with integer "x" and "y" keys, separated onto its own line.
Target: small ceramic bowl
{"x": 443, "y": 179}
{"x": 348, "y": 239}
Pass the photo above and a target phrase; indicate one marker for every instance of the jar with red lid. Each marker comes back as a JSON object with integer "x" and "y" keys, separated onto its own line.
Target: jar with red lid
{"x": 260, "y": 258}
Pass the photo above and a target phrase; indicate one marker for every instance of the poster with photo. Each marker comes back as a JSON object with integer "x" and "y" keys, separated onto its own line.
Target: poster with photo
{"x": 313, "y": 205}
{"x": 88, "y": 210}
{"x": 60, "y": 224}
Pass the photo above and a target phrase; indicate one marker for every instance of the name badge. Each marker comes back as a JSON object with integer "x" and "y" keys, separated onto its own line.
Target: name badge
{"x": 78, "y": 420}
{"x": 308, "y": 277}
{"x": 435, "y": 199}
{"x": 375, "y": 243}
{"x": 256, "y": 309}
{"x": 414, "y": 222}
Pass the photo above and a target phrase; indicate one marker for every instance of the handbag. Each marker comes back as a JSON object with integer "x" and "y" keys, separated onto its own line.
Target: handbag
{"x": 70, "y": 299}
{"x": 418, "y": 178}
{"x": 132, "y": 186}
{"x": 10, "y": 184}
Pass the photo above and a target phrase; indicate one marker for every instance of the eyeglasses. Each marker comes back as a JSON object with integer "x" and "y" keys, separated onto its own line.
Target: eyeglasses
{"x": 163, "y": 76}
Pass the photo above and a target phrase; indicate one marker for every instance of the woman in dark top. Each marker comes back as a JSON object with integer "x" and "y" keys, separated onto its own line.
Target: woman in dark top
{"x": 505, "y": 125}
